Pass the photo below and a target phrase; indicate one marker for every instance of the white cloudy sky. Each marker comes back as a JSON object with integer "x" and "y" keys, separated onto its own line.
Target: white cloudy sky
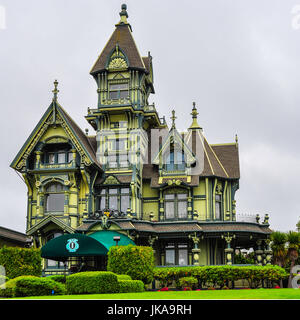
{"x": 238, "y": 60}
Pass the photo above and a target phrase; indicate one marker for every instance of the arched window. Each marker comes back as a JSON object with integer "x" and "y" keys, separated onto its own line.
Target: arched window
{"x": 175, "y": 205}
{"x": 55, "y": 198}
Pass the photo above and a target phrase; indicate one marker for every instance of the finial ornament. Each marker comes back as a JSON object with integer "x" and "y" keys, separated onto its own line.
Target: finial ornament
{"x": 55, "y": 91}
{"x": 194, "y": 114}
{"x": 123, "y": 13}
{"x": 173, "y": 118}
{"x": 194, "y": 111}
{"x": 236, "y": 140}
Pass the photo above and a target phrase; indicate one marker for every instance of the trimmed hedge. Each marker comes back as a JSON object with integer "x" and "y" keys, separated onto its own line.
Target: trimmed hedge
{"x": 23, "y": 286}
{"x": 92, "y": 282}
{"x": 21, "y": 261}
{"x": 38, "y": 287}
{"x": 58, "y": 278}
{"x": 131, "y": 286}
{"x": 135, "y": 261}
{"x": 123, "y": 277}
{"x": 208, "y": 276}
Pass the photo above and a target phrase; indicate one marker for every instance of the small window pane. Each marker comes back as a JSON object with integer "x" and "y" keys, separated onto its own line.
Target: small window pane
{"x": 55, "y": 202}
{"x": 124, "y": 203}
{"x": 218, "y": 210}
{"x": 182, "y": 209}
{"x": 218, "y": 197}
{"x": 70, "y": 156}
{"x": 169, "y": 207}
{"x": 51, "y": 263}
{"x": 182, "y": 196}
{"x": 182, "y": 245}
{"x": 113, "y": 191}
{"x": 113, "y": 94}
{"x": 102, "y": 203}
{"x": 51, "y": 158}
{"x": 169, "y": 196}
{"x": 123, "y": 94}
{"x": 170, "y": 257}
{"x": 61, "y": 158}
{"x": 58, "y": 187}
{"x": 125, "y": 190}
{"x": 170, "y": 245}
{"x": 113, "y": 203}
{"x": 182, "y": 257}
{"x": 119, "y": 86}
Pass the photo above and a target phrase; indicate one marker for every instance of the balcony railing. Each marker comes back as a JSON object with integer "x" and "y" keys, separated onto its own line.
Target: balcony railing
{"x": 244, "y": 217}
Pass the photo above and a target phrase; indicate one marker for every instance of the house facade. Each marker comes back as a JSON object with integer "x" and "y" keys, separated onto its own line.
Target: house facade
{"x": 134, "y": 180}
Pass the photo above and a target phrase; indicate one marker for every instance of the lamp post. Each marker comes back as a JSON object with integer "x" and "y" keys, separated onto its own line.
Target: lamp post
{"x": 117, "y": 239}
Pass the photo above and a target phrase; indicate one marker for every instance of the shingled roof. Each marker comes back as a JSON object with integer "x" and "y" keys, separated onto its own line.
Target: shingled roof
{"x": 89, "y": 143}
{"x": 122, "y": 36}
{"x": 14, "y": 236}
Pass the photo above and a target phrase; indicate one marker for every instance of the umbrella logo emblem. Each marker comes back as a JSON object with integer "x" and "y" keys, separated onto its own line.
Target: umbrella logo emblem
{"x": 72, "y": 245}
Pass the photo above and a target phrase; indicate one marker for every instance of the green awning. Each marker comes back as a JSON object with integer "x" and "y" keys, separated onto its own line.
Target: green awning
{"x": 106, "y": 238}
{"x": 80, "y": 245}
{"x": 72, "y": 245}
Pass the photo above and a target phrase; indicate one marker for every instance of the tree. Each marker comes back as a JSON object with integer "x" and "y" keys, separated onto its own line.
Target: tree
{"x": 278, "y": 246}
{"x": 298, "y": 225}
{"x": 293, "y": 239}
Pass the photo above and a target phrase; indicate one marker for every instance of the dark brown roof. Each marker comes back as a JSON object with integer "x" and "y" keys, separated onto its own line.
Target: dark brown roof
{"x": 14, "y": 236}
{"x": 121, "y": 178}
{"x": 229, "y": 156}
{"x": 188, "y": 226}
{"x": 123, "y": 36}
{"x": 146, "y": 61}
{"x": 86, "y": 141}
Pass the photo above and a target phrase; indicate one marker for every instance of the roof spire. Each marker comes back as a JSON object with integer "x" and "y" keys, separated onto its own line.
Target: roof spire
{"x": 55, "y": 91}
{"x": 124, "y": 14}
{"x": 194, "y": 114}
{"x": 173, "y": 119}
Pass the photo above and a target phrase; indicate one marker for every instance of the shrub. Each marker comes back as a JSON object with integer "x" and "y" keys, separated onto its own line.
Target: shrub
{"x": 135, "y": 261}
{"x": 58, "y": 278}
{"x": 131, "y": 286}
{"x": 31, "y": 286}
{"x": 21, "y": 261}
{"x": 92, "y": 282}
{"x": 34, "y": 286}
{"x": 123, "y": 277}
{"x": 212, "y": 276}
{"x": 189, "y": 282}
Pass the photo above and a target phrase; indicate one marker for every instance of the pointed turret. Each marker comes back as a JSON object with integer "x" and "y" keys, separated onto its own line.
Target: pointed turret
{"x": 123, "y": 40}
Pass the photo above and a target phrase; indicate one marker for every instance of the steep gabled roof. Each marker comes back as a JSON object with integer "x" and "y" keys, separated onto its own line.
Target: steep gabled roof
{"x": 81, "y": 139}
{"x": 122, "y": 36}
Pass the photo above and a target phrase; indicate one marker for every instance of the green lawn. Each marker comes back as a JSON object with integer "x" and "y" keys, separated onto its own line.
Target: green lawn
{"x": 204, "y": 294}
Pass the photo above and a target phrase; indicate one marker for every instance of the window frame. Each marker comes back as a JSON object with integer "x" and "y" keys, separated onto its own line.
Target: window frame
{"x": 218, "y": 204}
{"x": 176, "y": 200}
{"x": 52, "y": 192}
{"x": 118, "y": 91}
{"x": 175, "y": 248}
{"x": 106, "y": 193}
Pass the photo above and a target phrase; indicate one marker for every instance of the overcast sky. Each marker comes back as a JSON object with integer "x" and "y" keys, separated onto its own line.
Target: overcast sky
{"x": 238, "y": 60}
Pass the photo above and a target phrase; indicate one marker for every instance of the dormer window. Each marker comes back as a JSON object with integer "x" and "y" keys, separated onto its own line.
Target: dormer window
{"x": 118, "y": 91}
{"x": 175, "y": 161}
